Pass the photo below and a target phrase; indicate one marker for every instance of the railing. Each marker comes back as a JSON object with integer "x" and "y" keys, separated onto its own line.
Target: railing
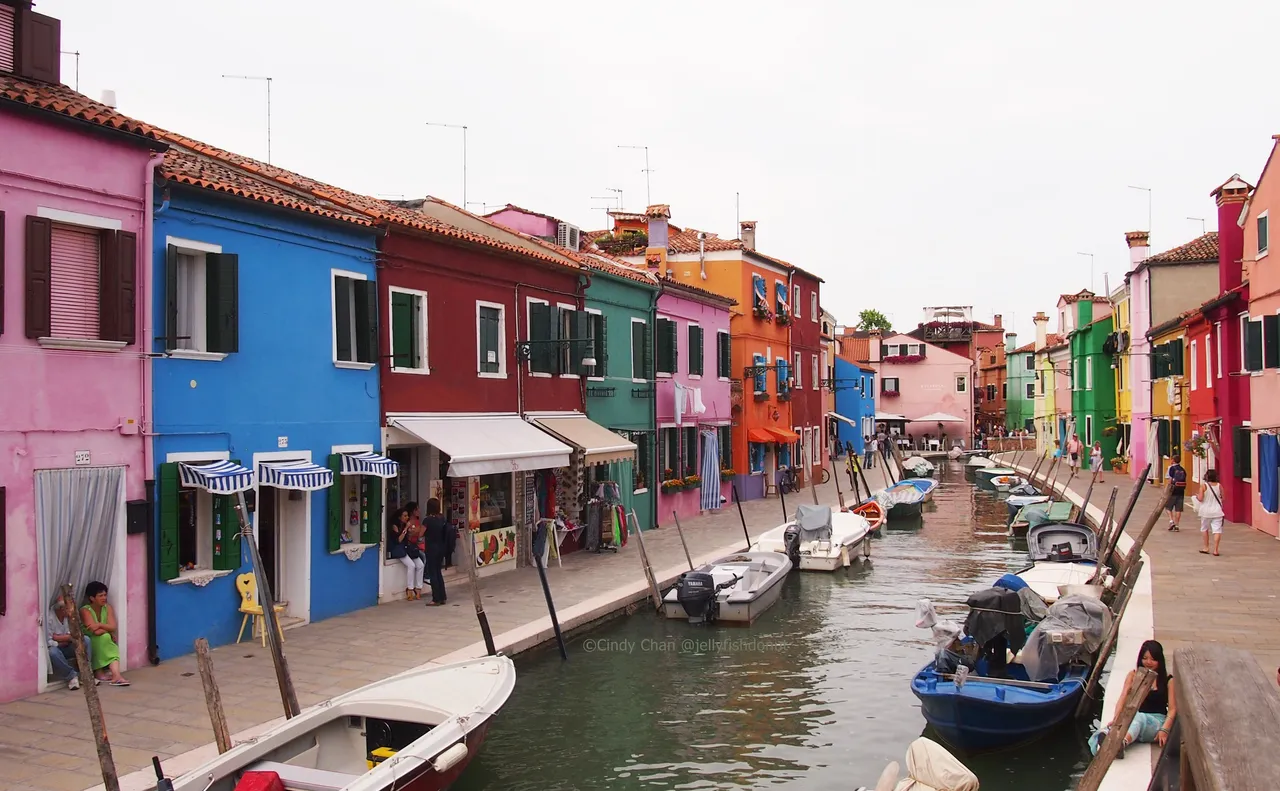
{"x": 948, "y": 332}
{"x": 1001, "y": 444}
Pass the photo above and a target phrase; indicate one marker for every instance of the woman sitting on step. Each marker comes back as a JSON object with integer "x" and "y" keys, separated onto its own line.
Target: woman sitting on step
{"x": 1155, "y": 715}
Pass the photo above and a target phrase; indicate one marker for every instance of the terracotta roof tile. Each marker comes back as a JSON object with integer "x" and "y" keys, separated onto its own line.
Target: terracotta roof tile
{"x": 668, "y": 282}
{"x": 1201, "y": 249}
{"x": 1030, "y": 347}
{"x": 64, "y": 101}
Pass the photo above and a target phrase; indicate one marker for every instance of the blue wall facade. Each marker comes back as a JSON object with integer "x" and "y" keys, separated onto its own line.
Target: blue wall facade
{"x": 855, "y": 399}
{"x": 282, "y": 382}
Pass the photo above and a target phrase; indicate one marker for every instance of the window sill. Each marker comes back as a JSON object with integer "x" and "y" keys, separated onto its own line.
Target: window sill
{"x": 414, "y": 371}
{"x": 695, "y": 377}
{"x": 194, "y": 354}
{"x": 663, "y": 374}
{"x": 353, "y": 365}
{"x": 595, "y": 378}
{"x": 198, "y": 577}
{"x": 1261, "y": 255}
{"x": 539, "y": 375}
{"x": 81, "y": 344}
{"x": 641, "y": 491}
{"x": 488, "y": 375}
{"x": 352, "y": 551}
{"x": 570, "y": 376}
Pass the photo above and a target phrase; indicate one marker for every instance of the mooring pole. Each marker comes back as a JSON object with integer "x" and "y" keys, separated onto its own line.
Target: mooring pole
{"x": 267, "y": 601}
{"x": 473, "y": 576}
{"x": 546, "y": 592}
{"x": 97, "y": 722}
{"x": 737, "y": 500}
{"x": 680, "y": 533}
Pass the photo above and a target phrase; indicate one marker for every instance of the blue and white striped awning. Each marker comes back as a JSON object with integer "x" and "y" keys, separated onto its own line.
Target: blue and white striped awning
{"x": 369, "y": 463}
{"x": 299, "y": 475}
{"x": 219, "y": 477}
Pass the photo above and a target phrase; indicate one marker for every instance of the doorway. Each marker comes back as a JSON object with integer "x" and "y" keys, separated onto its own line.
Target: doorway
{"x": 269, "y": 537}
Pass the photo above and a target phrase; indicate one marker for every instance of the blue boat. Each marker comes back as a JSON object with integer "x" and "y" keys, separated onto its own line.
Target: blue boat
{"x": 906, "y": 497}
{"x": 985, "y": 714}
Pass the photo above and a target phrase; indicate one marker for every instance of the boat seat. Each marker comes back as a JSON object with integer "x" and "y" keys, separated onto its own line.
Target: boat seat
{"x": 301, "y": 778}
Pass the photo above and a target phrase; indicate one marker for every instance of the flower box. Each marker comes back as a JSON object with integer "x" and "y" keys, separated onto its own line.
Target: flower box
{"x": 903, "y": 358}
{"x": 672, "y": 486}
{"x": 762, "y": 395}
{"x": 784, "y": 319}
{"x": 890, "y": 394}
{"x": 761, "y": 312}
{"x": 693, "y": 482}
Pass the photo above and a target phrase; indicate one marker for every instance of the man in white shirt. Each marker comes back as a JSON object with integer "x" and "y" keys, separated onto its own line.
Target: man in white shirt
{"x": 62, "y": 652}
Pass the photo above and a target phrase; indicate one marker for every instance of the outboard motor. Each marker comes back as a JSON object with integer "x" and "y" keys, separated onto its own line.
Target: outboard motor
{"x": 791, "y": 544}
{"x": 1062, "y": 552}
{"x": 696, "y": 593}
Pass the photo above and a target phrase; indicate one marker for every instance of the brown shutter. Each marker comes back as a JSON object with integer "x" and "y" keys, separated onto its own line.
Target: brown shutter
{"x": 108, "y": 305}
{"x": 39, "y": 46}
{"x": 4, "y": 556}
{"x": 116, "y": 300}
{"x": 38, "y": 277}
{"x": 1, "y": 274}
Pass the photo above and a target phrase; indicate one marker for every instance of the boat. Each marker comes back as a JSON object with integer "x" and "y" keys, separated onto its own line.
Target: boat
{"x": 1037, "y": 513}
{"x": 737, "y": 588}
{"x": 818, "y": 539}
{"x": 907, "y": 497}
{"x": 1003, "y": 483}
{"x": 918, "y": 467}
{"x": 975, "y": 463}
{"x": 1016, "y": 502}
{"x": 1060, "y": 554}
{"x": 870, "y": 510}
{"x": 984, "y": 476}
{"x": 929, "y": 767}
{"x": 415, "y": 731}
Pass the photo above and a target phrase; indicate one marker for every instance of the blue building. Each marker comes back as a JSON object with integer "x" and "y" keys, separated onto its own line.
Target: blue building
{"x": 264, "y": 378}
{"x": 855, "y": 388}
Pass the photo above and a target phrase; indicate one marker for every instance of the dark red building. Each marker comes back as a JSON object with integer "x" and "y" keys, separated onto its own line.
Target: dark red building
{"x": 809, "y": 370}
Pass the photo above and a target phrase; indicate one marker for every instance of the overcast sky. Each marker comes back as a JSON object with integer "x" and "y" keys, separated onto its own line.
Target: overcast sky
{"x": 910, "y": 153}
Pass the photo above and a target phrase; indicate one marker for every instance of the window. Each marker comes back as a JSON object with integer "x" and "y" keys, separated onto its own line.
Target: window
{"x": 644, "y": 459}
{"x": 724, "y": 355}
{"x": 815, "y": 447}
{"x": 1271, "y": 341}
{"x": 1030, "y": 362}
{"x": 889, "y": 384}
{"x": 813, "y": 305}
{"x": 80, "y": 279}
{"x": 1041, "y": 377}
{"x": 670, "y": 450}
{"x": 993, "y": 359}
{"x": 689, "y": 451}
{"x": 1241, "y": 447}
{"x": 1031, "y": 390}
{"x": 725, "y": 434}
{"x": 598, "y": 327}
{"x": 666, "y": 343}
{"x": 491, "y": 340}
{"x": 799, "y": 366}
{"x": 795, "y": 298}
{"x": 1088, "y": 430}
{"x": 1162, "y": 438}
{"x": 962, "y": 384}
{"x": 784, "y": 374}
{"x": 1263, "y": 238}
{"x": 409, "y": 331}
{"x": 1208, "y": 361}
{"x": 1252, "y": 345}
{"x": 829, "y": 371}
{"x": 574, "y": 326}
{"x": 759, "y": 373}
{"x": 1217, "y": 334}
{"x": 1088, "y": 373}
{"x": 1120, "y": 366}
{"x": 1194, "y": 361}
{"x": 355, "y": 311}
{"x": 991, "y": 392}
{"x": 813, "y": 372}
{"x": 780, "y": 297}
{"x": 196, "y": 527}
{"x": 695, "y": 350}
{"x": 1004, "y": 391}
{"x": 641, "y": 353}
{"x": 759, "y": 296}
{"x": 756, "y": 451}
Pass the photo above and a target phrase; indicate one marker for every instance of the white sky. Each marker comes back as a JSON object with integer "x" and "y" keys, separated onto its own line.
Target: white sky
{"x": 910, "y": 153}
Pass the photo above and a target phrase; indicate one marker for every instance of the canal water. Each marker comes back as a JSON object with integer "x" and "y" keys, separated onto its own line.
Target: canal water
{"x": 815, "y": 695}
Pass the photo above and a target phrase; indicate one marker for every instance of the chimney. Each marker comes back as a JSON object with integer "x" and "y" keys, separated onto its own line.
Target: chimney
{"x": 655, "y": 255}
{"x": 1010, "y": 342}
{"x": 873, "y": 343}
{"x": 1042, "y": 330}
{"x": 747, "y": 233}
{"x": 1230, "y": 197}
{"x": 999, "y": 321}
{"x": 1139, "y": 246}
{"x": 109, "y": 98}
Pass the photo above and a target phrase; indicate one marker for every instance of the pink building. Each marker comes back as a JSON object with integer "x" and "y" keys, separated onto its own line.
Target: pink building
{"x": 75, "y": 196}
{"x": 918, "y": 379}
{"x": 1259, "y": 357}
{"x": 703, "y": 318}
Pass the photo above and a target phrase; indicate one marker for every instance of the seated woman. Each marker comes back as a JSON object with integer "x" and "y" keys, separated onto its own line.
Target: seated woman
{"x": 99, "y": 622}
{"x": 1155, "y": 715}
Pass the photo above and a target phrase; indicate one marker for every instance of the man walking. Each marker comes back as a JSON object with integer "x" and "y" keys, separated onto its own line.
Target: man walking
{"x": 1074, "y": 448}
{"x": 1177, "y": 487}
{"x": 869, "y": 459}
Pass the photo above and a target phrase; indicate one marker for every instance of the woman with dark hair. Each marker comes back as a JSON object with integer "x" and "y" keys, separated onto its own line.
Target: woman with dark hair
{"x": 402, "y": 545}
{"x": 99, "y": 621}
{"x": 1155, "y": 715}
{"x": 435, "y": 527}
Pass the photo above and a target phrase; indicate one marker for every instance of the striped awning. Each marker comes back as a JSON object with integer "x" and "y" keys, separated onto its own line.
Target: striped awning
{"x": 219, "y": 477}
{"x": 369, "y": 463}
{"x": 299, "y": 475}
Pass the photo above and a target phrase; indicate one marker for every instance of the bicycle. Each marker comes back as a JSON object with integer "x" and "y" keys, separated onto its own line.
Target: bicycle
{"x": 789, "y": 483}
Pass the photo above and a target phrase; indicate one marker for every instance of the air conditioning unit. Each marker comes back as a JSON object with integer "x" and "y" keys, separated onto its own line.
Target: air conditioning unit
{"x": 568, "y": 235}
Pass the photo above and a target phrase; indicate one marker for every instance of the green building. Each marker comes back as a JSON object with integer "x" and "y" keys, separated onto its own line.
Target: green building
{"x": 1093, "y": 379}
{"x": 1020, "y": 376}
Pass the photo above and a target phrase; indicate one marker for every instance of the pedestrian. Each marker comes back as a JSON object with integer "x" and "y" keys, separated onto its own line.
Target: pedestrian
{"x": 882, "y": 444}
{"x": 1095, "y": 458}
{"x": 434, "y": 534}
{"x": 402, "y": 545}
{"x": 1074, "y": 447}
{"x": 1209, "y": 506}
{"x": 1177, "y": 487}
{"x": 872, "y": 447}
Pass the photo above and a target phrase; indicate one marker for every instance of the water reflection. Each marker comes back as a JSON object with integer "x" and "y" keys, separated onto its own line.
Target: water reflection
{"x": 815, "y": 695}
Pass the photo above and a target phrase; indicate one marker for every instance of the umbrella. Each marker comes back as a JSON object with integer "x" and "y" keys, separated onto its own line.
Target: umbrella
{"x": 889, "y": 416}
{"x": 939, "y": 417}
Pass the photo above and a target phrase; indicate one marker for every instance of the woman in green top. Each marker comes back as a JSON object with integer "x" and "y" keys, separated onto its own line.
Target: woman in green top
{"x": 100, "y": 624}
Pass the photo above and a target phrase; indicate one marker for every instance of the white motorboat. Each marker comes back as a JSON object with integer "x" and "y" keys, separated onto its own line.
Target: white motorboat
{"x": 979, "y": 461}
{"x": 1003, "y": 483}
{"x": 1061, "y": 553}
{"x": 818, "y": 539}
{"x": 736, "y": 588}
{"x": 1045, "y": 576}
{"x": 918, "y": 467}
{"x": 416, "y": 731}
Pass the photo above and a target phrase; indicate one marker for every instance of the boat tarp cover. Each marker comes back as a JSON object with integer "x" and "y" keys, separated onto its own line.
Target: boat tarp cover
{"x": 1042, "y": 656}
{"x": 814, "y": 522}
{"x": 931, "y": 768}
{"x": 993, "y": 611}
{"x": 1024, "y": 490}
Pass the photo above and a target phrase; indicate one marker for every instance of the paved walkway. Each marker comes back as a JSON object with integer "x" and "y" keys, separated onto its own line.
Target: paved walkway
{"x": 46, "y": 743}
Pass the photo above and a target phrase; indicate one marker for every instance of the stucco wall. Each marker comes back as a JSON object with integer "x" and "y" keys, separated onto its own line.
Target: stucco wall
{"x": 1175, "y": 289}
{"x": 926, "y": 387}
{"x": 1264, "y": 281}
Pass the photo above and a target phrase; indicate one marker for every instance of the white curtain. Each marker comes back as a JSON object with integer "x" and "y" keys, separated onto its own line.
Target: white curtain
{"x": 710, "y": 495}
{"x": 76, "y": 527}
{"x": 1153, "y": 449}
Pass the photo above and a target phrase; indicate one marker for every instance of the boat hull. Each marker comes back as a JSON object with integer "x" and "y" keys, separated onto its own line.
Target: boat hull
{"x": 733, "y": 612}
{"x": 905, "y": 510}
{"x": 424, "y": 778}
{"x": 988, "y": 716}
{"x": 739, "y": 606}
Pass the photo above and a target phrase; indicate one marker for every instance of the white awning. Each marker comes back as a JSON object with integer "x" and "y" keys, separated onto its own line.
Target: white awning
{"x": 220, "y": 477}
{"x": 600, "y": 445}
{"x": 839, "y": 416}
{"x": 938, "y": 417}
{"x": 889, "y": 416}
{"x": 302, "y": 476}
{"x": 369, "y": 463}
{"x": 487, "y": 444}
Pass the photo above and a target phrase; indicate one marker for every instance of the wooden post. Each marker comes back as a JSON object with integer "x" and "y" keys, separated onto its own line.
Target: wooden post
{"x": 1104, "y": 651}
{"x": 1142, "y": 678}
{"x": 1088, "y": 493}
{"x": 1132, "y": 558}
{"x": 546, "y": 590}
{"x": 680, "y": 532}
{"x": 813, "y": 486}
{"x": 862, "y": 473}
{"x": 648, "y": 570}
{"x": 212, "y": 698}
{"x": 835, "y": 476}
{"x": 469, "y": 561}
{"x": 268, "y": 603}
{"x": 1104, "y": 554}
{"x": 734, "y": 486}
{"x": 1053, "y": 487}
{"x": 97, "y": 721}
{"x": 1050, "y": 470}
{"x": 1105, "y": 523}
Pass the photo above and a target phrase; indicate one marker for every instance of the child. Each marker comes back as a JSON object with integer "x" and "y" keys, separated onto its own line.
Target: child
{"x": 1209, "y": 506}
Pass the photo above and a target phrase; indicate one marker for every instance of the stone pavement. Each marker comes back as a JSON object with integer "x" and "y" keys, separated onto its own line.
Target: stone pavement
{"x": 46, "y": 743}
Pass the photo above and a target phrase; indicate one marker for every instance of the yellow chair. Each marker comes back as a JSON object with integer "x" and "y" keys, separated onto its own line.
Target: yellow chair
{"x": 247, "y": 584}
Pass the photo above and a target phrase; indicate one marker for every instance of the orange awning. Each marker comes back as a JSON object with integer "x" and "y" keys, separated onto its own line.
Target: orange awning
{"x": 760, "y": 435}
{"x": 784, "y": 435}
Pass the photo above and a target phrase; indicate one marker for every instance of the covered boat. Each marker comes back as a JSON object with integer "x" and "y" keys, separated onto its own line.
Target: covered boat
{"x": 870, "y": 510}
{"x": 1005, "y": 483}
{"x": 929, "y": 768}
{"x": 736, "y": 588}
{"x": 1039, "y": 513}
{"x": 975, "y": 463}
{"x": 818, "y": 539}
{"x": 984, "y": 476}
{"x": 1060, "y": 553}
{"x": 906, "y": 497}
{"x": 918, "y": 467}
{"x": 1016, "y": 502}
{"x": 416, "y": 731}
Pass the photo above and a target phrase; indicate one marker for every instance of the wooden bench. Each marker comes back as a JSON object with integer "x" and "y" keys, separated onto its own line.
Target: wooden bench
{"x": 301, "y": 778}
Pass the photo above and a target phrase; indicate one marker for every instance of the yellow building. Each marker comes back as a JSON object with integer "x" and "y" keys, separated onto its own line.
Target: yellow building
{"x": 1124, "y": 388}
{"x": 1170, "y": 397}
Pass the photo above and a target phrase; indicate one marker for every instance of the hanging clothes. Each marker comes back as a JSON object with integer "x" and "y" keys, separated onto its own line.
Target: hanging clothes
{"x": 696, "y": 406}
{"x": 680, "y": 392}
{"x": 1268, "y": 457}
{"x": 710, "y": 469}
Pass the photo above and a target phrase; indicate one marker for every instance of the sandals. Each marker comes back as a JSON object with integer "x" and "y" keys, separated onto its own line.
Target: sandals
{"x": 120, "y": 683}
{"x": 1204, "y": 552}
{"x": 410, "y": 595}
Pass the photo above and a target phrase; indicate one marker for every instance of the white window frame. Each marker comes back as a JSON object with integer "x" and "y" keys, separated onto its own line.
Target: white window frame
{"x": 1194, "y": 365}
{"x": 1088, "y": 431}
{"x": 204, "y": 518}
{"x": 631, "y": 341}
{"x": 786, "y": 291}
{"x": 595, "y": 312}
{"x": 688, "y": 351}
{"x": 795, "y": 299}
{"x": 1243, "y": 320}
{"x": 796, "y": 376}
{"x": 758, "y": 360}
{"x": 962, "y": 383}
{"x": 1031, "y": 362}
{"x": 193, "y": 247}
{"x": 1217, "y": 332}
{"x": 1264, "y": 245}
{"x": 775, "y": 372}
{"x": 502, "y": 340}
{"x": 730, "y": 376}
{"x": 76, "y": 218}
{"x": 334, "y": 274}
{"x": 1088, "y": 373}
{"x": 1208, "y": 361}
{"x": 1030, "y": 391}
{"x": 566, "y": 351}
{"x": 528, "y": 331}
{"x": 815, "y": 447}
{"x": 425, "y": 369}
{"x": 813, "y": 371}
{"x": 813, "y": 306}
{"x": 897, "y": 384}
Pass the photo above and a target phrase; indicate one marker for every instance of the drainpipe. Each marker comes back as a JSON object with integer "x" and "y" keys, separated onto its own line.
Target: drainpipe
{"x": 584, "y": 283}
{"x": 145, "y": 434}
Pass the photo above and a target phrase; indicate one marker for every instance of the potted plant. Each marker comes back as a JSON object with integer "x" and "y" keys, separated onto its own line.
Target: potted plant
{"x": 727, "y": 472}
{"x": 1109, "y": 431}
{"x": 784, "y": 318}
{"x": 890, "y": 394}
{"x": 693, "y": 482}
{"x": 1198, "y": 445}
{"x": 672, "y": 486}
{"x": 1120, "y": 464}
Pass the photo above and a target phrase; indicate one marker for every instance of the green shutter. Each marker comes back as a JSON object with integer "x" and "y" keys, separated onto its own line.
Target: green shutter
{"x": 579, "y": 331}
{"x": 1241, "y": 448}
{"x": 541, "y": 355}
{"x": 366, "y": 297}
{"x": 1271, "y": 341}
{"x": 335, "y": 506}
{"x": 695, "y": 350}
{"x": 648, "y": 352}
{"x": 1162, "y": 437}
{"x": 602, "y": 344}
{"x": 370, "y": 509}
{"x": 403, "y": 337}
{"x": 1175, "y": 439}
{"x": 673, "y": 339}
{"x": 168, "y": 543}
{"x": 1253, "y": 345}
{"x": 342, "y": 317}
{"x": 222, "y": 287}
{"x": 226, "y": 531}
{"x": 170, "y": 298}
{"x": 637, "y": 350}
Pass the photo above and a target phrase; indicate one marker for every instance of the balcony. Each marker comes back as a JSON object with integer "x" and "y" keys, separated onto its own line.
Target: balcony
{"x": 943, "y": 331}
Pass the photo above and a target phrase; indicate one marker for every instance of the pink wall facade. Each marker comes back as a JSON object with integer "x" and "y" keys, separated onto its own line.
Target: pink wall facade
{"x": 523, "y": 222}
{"x": 686, "y": 310}
{"x": 1263, "y": 274}
{"x": 929, "y": 386}
{"x": 60, "y": 402}
{"x": 1140, "y": 369}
